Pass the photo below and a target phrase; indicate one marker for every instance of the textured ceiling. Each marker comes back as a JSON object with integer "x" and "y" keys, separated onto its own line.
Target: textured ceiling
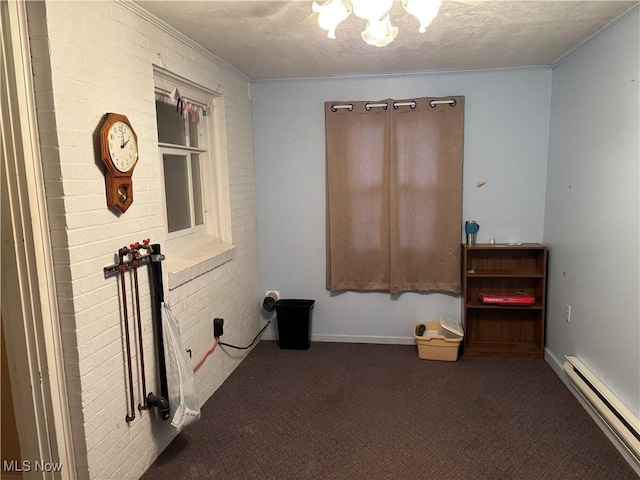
{"x": 266, "y": 40}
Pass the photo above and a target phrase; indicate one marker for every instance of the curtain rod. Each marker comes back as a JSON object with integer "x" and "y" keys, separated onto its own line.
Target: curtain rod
{"x": 162, "y": 90}
{"x": 432, "y": 103}
{"x": 167, "y": 93}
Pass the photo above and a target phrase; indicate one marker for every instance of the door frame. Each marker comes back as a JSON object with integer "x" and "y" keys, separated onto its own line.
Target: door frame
{"x": 29, "y": 301}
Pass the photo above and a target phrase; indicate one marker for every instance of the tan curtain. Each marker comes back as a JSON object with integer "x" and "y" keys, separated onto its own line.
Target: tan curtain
{"x": 394, "y": 194}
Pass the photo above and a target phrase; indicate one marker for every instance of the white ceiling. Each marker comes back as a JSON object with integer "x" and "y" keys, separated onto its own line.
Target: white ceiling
{"x": 264, "y": 39}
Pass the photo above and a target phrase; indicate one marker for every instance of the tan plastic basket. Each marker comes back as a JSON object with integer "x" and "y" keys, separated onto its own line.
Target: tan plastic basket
{"x": 437, "y": 343}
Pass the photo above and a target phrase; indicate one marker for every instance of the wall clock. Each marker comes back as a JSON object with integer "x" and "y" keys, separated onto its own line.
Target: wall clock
{"x": 119, "y": 152}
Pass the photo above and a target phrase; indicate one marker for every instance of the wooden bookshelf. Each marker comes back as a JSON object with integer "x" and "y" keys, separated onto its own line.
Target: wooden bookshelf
{"x": 497, "y": 329}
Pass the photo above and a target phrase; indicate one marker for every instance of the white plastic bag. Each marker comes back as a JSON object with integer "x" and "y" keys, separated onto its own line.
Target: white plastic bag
{"x": 182, "y": 396}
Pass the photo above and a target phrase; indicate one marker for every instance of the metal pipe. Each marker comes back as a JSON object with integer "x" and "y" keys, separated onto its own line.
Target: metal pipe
{"x": 161, "y": 402}
{"x": 368, "y": 106}
{"x": 123, "y": 268}
{"x": 157, "y": 292}
{"x": 142, "y": 373}
{"x": 404, "y": 104}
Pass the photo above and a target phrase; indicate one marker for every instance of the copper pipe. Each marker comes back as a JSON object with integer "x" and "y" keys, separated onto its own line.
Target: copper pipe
{"x": 123, "y": 268}
{"x": 135, "y": 266}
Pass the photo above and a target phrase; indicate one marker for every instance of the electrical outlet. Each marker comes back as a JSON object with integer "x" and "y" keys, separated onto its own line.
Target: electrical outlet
{"x": 567, "y": 313}
{"x": 273, "y": 293}
{"x": 218, "y": 323}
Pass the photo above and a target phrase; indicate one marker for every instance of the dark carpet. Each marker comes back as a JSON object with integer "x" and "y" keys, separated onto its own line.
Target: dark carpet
{"x": 362, "y": 411}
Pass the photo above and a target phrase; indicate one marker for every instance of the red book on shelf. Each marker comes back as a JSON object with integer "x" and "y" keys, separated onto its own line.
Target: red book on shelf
{"x": 517, "y": 298}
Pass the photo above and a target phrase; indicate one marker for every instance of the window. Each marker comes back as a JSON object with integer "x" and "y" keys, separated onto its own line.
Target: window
{"x": 183, "y": 145}
{"x": 394, "y": 194}
{"x": 192, "y": 157}
{"x": 192, "y": 154}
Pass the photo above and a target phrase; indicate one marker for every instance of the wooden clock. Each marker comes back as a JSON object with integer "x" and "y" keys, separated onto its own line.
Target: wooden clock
{"x": 119, "y": 152}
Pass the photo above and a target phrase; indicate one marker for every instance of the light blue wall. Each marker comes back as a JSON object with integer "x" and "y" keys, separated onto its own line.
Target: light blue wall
{"x": 506, "y": 143}
{"x": 592, "y": 213}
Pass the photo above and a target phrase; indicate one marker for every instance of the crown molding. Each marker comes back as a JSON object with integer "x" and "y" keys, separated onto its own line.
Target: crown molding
{"x": 179, "y": 36}
{"x": 420, "y": 73}
{"x": 603, "y": 31}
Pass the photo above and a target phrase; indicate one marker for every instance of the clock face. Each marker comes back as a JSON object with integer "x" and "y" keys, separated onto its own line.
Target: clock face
{"x": 123, "y": 147}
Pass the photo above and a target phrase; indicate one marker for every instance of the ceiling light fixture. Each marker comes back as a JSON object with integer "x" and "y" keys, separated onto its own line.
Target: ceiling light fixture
{"x": 379, "y": 31}
{"x": 331, "y": 14}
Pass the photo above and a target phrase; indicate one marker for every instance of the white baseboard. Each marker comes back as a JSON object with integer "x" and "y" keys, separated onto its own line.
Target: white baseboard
{"x": 556, "y": 365}
{"x": 613, "y": 438}
{"x": 352, "y": 339}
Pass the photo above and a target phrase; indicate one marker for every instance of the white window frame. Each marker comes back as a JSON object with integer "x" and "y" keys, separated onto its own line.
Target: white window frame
{"x": 203, "y": 150}
{"x": 213, "y": 161}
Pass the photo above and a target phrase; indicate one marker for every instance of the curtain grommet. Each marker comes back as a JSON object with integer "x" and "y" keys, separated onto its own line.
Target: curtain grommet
{"x": 334, "y": 108}
{"x": 411, "y": 105}
{"x": 452, "y": 103}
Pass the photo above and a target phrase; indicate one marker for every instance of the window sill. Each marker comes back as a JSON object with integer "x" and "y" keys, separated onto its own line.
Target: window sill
{"x": 191, "y": 260}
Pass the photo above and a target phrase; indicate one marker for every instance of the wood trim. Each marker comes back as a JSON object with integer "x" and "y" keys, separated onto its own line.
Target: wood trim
{"x": 12, "y": 476}
{"x": 10, "y": 438}
{"x": 42, "y": 393}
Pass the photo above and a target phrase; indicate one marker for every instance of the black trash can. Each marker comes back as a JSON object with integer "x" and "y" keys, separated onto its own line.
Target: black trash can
{"x": 294, "y": 323}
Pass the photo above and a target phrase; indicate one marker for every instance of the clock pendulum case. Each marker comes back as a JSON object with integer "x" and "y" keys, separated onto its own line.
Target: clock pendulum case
{"x": 119, "y": 152}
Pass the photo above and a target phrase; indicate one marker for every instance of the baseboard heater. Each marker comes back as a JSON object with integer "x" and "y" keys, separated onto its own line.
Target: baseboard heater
{"x": 622, "y": 422}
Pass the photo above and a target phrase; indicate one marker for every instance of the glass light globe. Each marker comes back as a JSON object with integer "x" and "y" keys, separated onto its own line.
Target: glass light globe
{"x": 380, "y": 32}
{"x": 371, "y": 10}
{"x": 330, "y": 15}
{"x": 424, "y": 10}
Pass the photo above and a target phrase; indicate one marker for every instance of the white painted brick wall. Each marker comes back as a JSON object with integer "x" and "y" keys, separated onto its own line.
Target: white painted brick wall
{"x": 96, "y": 57}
